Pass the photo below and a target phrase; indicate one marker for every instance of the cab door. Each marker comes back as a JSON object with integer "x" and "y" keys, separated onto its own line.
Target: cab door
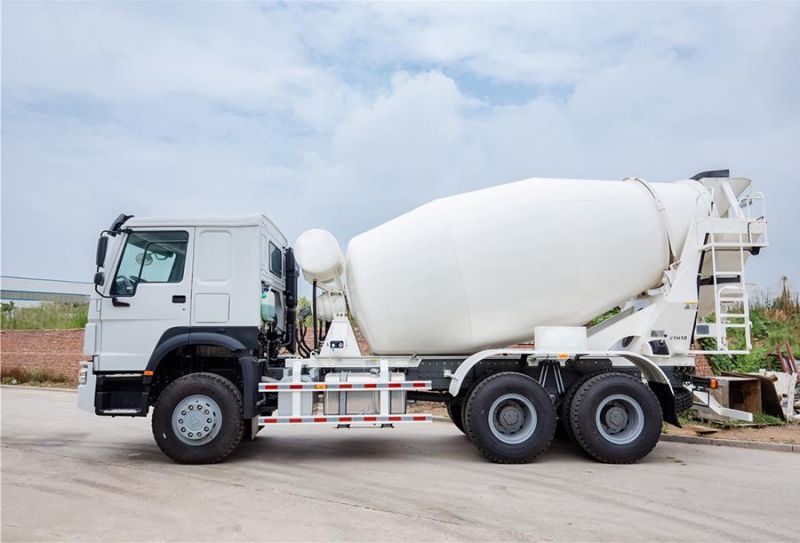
{"x": 214, "y": 282}
{"x": 149, "y": 294}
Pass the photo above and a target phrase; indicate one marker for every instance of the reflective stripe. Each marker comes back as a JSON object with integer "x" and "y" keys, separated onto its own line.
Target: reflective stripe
{"x": 380, "y": 385}
{"x": 345, "y": 419}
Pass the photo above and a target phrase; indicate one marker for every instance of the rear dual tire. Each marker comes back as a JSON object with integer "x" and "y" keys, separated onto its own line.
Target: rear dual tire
{"x": 510, "y": 418}
{"x": 615, "y": 418}
{"x": 684, "y": 399}
{"x": 455, "y": 410}
{"x": 564, "y": 407}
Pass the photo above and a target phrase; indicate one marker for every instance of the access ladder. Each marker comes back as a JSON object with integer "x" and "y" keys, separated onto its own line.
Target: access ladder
{"x": 727, "y": 242}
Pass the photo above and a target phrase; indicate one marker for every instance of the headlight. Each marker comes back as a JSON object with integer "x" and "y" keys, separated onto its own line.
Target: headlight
{"x": 83, "y": 375}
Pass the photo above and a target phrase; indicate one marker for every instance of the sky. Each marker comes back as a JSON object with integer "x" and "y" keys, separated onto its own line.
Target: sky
{"x": 342, "y": 116}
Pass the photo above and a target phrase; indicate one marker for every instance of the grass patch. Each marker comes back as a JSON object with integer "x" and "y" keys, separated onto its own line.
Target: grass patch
{"x": 35, "y": 376}
{"x": 775, "y": 320}
{"x": 767, "y": 420}
{"x": 770, "y": 328}
{"x": 689, "y": 419}
{"x": 47, "y": 316}
{"x": 604, "y": 317}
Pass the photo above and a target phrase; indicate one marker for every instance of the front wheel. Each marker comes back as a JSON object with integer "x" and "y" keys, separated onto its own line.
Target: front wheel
{"x": 198, "y": 419}
{"x": 510, "y": 418}
{"x": 615, "y": 418}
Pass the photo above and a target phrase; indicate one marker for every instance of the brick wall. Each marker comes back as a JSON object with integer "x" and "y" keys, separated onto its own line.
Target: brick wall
{"x": 702, "y": 367}
{"x": 57, "y": 352}
{"x": 60, "y": 351}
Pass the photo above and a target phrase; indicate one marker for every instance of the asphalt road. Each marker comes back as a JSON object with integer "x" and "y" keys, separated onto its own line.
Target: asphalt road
{"x": 67, "y": 475}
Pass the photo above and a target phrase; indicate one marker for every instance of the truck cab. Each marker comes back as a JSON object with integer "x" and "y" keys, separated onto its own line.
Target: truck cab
{"x": 174, "y": 296}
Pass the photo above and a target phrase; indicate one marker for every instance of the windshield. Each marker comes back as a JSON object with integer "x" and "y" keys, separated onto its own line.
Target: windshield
{"x": 150, "y": 257}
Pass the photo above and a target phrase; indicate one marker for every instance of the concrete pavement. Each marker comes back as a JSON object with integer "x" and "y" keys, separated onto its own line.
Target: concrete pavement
{"x": 67, "y": 475}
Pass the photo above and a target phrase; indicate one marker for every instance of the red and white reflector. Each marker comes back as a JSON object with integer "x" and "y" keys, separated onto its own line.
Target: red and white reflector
{"x": 346, "y": 419}
{"x": 334, "y": 387}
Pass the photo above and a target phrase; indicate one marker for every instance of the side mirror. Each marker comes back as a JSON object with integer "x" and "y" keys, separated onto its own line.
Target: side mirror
{"x": 100, "y": 279}
{"x": 102, "y": 247}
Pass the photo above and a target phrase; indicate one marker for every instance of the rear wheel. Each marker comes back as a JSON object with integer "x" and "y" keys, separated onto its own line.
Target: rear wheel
{"x": 684, "y": 399}
{"x": 564, "y": 406}
{"x": 198, "y": 419}
{"x": 615, "y": 418}
{"x": 510, "y": 418}
{"x": 455, "y": 410}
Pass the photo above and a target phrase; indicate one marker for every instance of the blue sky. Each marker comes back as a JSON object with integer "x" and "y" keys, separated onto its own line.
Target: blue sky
{"x": 342, "y": 116}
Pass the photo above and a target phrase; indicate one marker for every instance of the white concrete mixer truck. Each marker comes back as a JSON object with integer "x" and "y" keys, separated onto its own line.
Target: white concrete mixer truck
{"x": 483, "y": 301}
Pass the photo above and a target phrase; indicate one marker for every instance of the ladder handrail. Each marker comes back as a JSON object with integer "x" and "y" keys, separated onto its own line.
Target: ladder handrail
{"x": 737, "y": 290}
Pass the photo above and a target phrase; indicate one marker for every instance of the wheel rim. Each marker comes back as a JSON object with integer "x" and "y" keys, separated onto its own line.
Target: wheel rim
{"x": 620, "y": 419}
{"x": 512, "y": 418}
{"x": 196, "y": 420}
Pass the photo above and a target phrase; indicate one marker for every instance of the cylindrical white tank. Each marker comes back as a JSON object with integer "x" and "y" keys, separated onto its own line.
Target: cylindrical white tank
{"x": 330, "y": 304}
{"x": 482, "y": 269}
{"x": 318, "y": 254}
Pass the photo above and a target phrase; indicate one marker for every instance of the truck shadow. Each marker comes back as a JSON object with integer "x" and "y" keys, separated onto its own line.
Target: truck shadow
{"x": 364, "y": 447}
{"x": 285, "y": 448}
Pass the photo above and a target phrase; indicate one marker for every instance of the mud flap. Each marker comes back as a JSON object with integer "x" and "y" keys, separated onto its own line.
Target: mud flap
{"x": 667, "y": 401}
{"x": 251, "y": 376}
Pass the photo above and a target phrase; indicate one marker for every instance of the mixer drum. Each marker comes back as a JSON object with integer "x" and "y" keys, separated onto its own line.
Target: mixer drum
{"x": 482, "y": 269}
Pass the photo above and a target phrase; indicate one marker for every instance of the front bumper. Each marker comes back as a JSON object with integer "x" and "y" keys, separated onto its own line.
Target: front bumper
{"x": 87, "y": 385}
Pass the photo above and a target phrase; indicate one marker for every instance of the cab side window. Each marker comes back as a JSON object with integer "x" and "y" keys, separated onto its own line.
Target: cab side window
{"x": 275, "y": 260}
{"x": 150, "y": 257}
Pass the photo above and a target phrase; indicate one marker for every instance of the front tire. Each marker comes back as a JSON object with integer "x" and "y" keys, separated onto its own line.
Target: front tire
{"x": 510, "y": 418}
{"x": 615, "y": 418}
{"x": 198, "y": 419}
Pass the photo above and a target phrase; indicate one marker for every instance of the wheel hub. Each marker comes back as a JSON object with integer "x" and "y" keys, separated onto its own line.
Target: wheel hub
{"x": 617, "y": 418}
{"x": 620, "y": 419}
{"x": 196, "y": 420}
{"x": 512, "y": 418}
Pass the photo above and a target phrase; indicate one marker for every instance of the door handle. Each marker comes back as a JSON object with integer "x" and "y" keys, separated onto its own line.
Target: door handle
{"x": 179, "y": 299}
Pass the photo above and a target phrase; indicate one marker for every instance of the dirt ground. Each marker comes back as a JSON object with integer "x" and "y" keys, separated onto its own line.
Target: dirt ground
{"x": 788, "y": 433}
{"x": 70, "y": 476}
{"x": 436, "y": 409}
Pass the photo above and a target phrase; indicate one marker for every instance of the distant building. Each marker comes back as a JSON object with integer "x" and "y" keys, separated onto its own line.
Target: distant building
{"x": 25, "y": 291}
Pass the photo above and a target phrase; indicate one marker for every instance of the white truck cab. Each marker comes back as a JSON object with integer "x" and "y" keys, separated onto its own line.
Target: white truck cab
{"x": 164, "y": 285}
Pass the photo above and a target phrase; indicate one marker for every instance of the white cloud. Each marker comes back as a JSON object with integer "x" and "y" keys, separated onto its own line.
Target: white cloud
{"x": 345, "y": 115}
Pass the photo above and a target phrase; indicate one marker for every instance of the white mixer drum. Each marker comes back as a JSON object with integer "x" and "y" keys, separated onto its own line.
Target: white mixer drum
{"x": 482, "y": 269}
